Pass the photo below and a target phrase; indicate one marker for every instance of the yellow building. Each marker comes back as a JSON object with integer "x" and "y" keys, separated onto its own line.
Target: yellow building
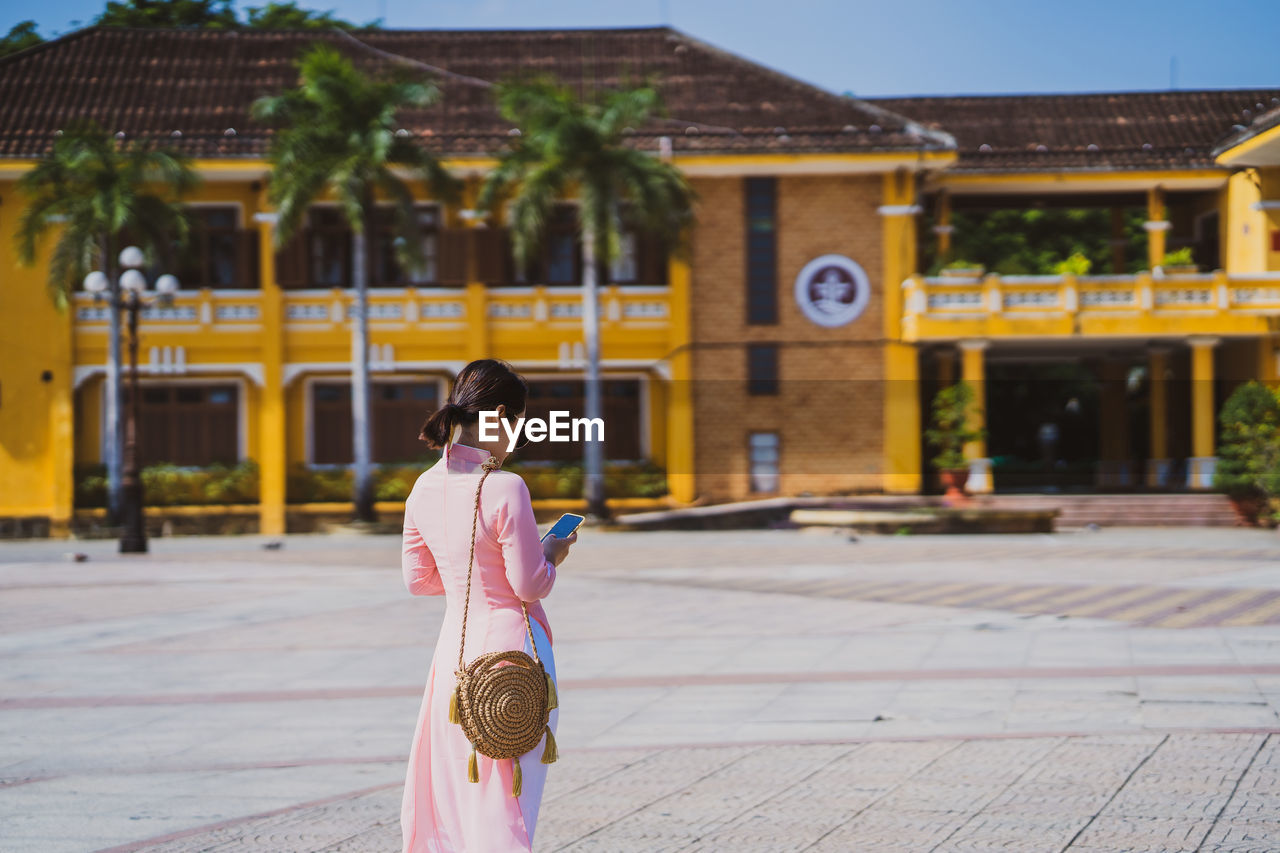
{"x": 790, "y": 348}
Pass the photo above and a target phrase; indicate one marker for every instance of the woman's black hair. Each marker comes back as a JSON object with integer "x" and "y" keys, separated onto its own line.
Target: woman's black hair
{"x": 481, "y": 386}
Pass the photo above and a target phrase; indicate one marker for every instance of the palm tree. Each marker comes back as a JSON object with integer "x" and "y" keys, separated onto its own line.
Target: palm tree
{"x": 569, "y": 142}
{"x": 337, "y": 132}
{"x": 93, "y": 189}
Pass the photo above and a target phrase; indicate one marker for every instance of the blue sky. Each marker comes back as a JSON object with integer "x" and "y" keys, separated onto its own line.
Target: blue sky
{"x": 889, "y": 47}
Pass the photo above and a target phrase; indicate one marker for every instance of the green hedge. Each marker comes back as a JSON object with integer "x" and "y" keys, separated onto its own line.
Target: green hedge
{"x": 394, "y": 482}
{"x": 171, "y": 485}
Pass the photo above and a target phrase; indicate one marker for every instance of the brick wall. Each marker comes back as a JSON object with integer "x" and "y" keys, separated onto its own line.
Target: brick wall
{"x": 829, "y": 410}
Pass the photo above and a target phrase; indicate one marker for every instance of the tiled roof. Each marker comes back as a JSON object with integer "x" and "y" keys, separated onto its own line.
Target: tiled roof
{"x": 200, "y": 84}
{"x": 1261, "y": 122}
{"x": 1121, "y": 130}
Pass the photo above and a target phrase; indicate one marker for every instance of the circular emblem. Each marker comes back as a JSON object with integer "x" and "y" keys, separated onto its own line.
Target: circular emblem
{"x": 832, "y": 290}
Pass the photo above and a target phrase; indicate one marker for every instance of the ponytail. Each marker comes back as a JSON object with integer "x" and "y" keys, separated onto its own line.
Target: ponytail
{"x": 439, "y": 427}
{"x": 481, "y": 385}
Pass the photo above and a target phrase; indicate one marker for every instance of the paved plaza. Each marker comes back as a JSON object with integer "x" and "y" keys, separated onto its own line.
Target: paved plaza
{"x": 720, "y": 691}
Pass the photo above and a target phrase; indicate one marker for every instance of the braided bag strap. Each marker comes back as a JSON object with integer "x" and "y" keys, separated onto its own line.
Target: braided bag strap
{"x": 490, "y": 465}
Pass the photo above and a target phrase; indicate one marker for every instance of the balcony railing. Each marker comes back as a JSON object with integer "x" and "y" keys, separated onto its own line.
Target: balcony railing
{"x": 239, "y": 310}
{"x": 952, "y": 306}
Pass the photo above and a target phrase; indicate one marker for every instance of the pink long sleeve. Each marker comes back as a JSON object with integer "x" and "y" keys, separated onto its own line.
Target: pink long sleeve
{"x": 530, "y": 573}
{"x": 421, "y": 576}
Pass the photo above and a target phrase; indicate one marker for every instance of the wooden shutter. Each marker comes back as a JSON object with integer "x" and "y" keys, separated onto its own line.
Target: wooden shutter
{"x": 651, "y": 259}
{"x": 491, "y": 248}
{"x": 291, "y": 262}
{"x": 247, "y": 259}
{"x": 452, "y": 263}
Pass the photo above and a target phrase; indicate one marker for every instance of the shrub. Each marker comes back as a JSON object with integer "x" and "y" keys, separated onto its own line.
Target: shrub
{"x": 1249, "y": 445}
{"x": 949, "y": 429}
{"x": 1077, "y": 264}
{"x": 1178, "y": 258}
{"x": 175, "y": 485}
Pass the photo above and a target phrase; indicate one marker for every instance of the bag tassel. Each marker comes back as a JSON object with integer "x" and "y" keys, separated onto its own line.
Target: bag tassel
{"x": 553, "y": 701}
{"x": 473, "y": 772}
{"x": 453, "y": 707}
{"x": 549, "y": 753}
{"x": 515, "y": 777}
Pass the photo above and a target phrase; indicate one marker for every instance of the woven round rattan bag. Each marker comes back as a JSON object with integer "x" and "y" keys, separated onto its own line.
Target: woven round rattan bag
{"x": 503, "y": 700}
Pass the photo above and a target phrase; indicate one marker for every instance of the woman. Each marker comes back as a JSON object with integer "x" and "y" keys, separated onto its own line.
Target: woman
{"x": 442, "y": 812}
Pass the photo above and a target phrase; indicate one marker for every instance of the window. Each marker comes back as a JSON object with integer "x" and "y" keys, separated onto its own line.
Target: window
{"x": 397, "y": 411}
{"x": 763, "y": 455}
{"x": 625, "y": 266}
{"x": 641, "y": 256}
{"x": 762, "y": 251}
{"x": 329, "y": 239}
{"x": 189, "y": 424}
{"x": 622, "y": 418}
{"x": 387, "y": 269}
{"x": 762, "y": 369}
{"x": 211, "y": 257}
{"x": 563, "y": 250}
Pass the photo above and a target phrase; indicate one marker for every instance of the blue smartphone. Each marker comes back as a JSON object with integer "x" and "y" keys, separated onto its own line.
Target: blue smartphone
{"x": 564, "y": 526}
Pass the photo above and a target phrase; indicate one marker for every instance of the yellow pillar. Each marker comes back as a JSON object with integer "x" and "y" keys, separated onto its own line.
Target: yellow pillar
{"x": 62, "y": 447}
{"x": 1113, "y": 426}
{"x": 1200, "y": 466}
{"x": 1157, "y": 225}
{"x": 973, "y": 371}
{"x": 272, "y": 435}
{"x": 902, "y": 458}
{"x": 681, "y": 477}
{"x": 477, "y": 296}
{"x": 1158, "y": 406}
{"x": 477, "y": 300}
{"x": 1269, "y": 360}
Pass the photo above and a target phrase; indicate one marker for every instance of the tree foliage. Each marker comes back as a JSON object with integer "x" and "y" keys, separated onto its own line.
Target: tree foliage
{"x": 20, "y": 37}
{"x": 95, "y": 190}
{"x": 218, "y": 15}
{"x": 290, "y": 16}
{"x": 1249, "y": 443}
{"x": 338, "y": 131}
{"x": 1036, "y": 241}
{"x": 179, "y": 14}
{"x": 950, "y": 426}
{"x": 567, "y": 141}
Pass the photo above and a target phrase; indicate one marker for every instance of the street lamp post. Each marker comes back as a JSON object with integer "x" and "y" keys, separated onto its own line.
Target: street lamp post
{"x": 128, "y": 295}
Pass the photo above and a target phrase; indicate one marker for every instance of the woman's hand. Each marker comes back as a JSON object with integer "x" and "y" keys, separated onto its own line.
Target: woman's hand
{"x": 556, "y": 549}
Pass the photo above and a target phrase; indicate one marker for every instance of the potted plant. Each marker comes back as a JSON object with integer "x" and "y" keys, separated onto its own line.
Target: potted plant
{"x": 1179, "y": 262}
{"x": 1248, "y": 449}
{"x": 963, "y": 269}
{"x": 1077, "y": 264}
{"x": 949, "y": 431}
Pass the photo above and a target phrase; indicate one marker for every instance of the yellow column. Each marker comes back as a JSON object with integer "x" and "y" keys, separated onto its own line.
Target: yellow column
{"x": 1113, "y": 426}
{"x": 477, "y": 299}
{"x": 1200, "y": 466}
{"x": 62, "y": 447}
{"x": 902, "y": 459}
{"x": 1269, "y": 361}
{"x": 973, "y": 371}
{"x": 272, "y": 441}
{"x": 681, "y": 477}
{"x": 1157, "y": 226}
{"x": 1158, "y": 404}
